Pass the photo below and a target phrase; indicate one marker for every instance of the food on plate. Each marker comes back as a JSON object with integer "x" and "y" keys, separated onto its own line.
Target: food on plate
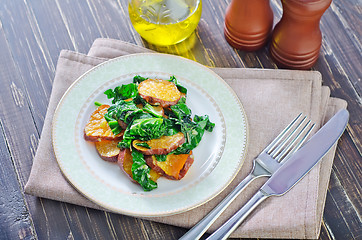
{"x": 159, "y": 91}
{"x": 160, "y": 146}
{"x": 97, "y": 128}
{"x": 125, "y": 162}
{"x": 108, "y": 150}
{"x": 173, "y": 166}
{"x": 148, "y": 130}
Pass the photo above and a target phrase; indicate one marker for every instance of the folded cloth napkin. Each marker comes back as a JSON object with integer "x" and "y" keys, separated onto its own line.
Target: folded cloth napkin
{"x": 271, "y": 98}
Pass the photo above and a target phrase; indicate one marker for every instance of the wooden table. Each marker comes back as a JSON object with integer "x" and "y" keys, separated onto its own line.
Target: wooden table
{"x": 32, "y": 33}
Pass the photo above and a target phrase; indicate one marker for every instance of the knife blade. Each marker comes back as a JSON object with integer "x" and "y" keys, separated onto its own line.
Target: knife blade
{"x": 307, "y": 157}
{"x": 292, "y": 171}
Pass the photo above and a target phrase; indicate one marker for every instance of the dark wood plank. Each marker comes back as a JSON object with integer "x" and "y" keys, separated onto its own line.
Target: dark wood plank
{"x": 31, "y": 57}
{"x": 18, "y": 126}
{"x": 21, "y": 137}
{"x": 340, "y": 216}
{"x": 344, "y": 42}
{"x": 324, "y": 233}
{"x": 14, "y": 216}
{"x": 340, "y": 67}
{"x": 343, "y": 204}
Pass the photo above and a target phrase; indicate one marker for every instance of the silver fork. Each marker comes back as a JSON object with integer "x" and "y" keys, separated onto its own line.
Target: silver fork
{"x": 264, "y": 165}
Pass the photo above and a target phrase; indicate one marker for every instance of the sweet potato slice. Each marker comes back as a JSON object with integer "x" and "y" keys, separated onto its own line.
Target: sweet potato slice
{"x": 154, "y": 175}
{"x": 125, "y": 162}
{"x": 175, "y": 167}
{"x": 108, "y": 150}
{"x": 97, "y": 128}
{"x": 158, "y": 91}
{"x": 160, "y": 146}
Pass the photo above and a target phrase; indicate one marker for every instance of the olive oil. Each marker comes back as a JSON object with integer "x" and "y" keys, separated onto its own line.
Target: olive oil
{"x": 165, "y": 22}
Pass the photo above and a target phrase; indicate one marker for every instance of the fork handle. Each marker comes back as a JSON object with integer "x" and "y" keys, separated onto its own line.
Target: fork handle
{"x": 227, "y": 228}
{"x": 200, "y": 228}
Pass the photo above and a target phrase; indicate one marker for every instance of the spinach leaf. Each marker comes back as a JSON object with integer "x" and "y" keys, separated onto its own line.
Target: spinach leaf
{"x": 204, "y": 122}
{"x": 123, "y": 110}
{"x": 193, "y": 135}
{"x": 148, "y": 128}
{"x": 98, "y": 104}
{"x": 181, "y": 110}
{"x": 179, "y": 86}
{"x": 149, "y": 108}
{"x": 161, "y": 158}
{"x": 123, "y": 92}
{"x": 143, "y": 144}
{"x": 171, "y": 127}
{"x": 141, "y": 172}
{"x": 138, "y": 79}
{"x": 112, "y": 122}
{"x": 143, "y": 129}
{"x": 125, "y": 143}
{"x": 193, "y": 130}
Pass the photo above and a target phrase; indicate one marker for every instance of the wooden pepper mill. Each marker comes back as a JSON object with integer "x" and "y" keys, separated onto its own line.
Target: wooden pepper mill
{"x": 297, "y": 39}
{"x": 248, "y": 24}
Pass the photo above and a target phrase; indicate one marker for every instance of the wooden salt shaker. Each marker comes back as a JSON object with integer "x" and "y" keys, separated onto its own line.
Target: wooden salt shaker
{"x": 297, "y": 39}
{"x": 248, "y": 24}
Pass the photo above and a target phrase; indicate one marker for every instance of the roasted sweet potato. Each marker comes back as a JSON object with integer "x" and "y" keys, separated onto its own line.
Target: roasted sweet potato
{"x": 125, "y": 163}
{"x": 157, "y": 91}
{"x": 97, "y": 128}
{"x": 160, "y": 146}
{"x": 175, "y": 167}
{"x": 108, "y": 150}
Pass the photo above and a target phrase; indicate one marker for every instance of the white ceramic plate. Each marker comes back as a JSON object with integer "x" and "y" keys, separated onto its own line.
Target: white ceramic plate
{"x": 218, "y": 158}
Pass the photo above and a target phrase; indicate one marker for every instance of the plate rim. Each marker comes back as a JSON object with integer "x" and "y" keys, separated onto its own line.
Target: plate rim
{"x": 175, "y": 211}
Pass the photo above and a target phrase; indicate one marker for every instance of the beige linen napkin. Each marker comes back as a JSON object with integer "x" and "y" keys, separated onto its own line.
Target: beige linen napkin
{"x": 271, "y": 98}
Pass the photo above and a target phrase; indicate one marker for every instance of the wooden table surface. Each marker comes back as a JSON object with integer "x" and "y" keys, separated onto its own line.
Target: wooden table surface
{"x": 32, "y": 34}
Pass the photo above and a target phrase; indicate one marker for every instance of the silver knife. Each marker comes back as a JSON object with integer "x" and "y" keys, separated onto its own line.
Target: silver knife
{"x": 292, "y": 171}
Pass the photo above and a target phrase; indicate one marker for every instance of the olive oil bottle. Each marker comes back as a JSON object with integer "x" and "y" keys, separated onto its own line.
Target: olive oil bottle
{"x": 165, "y": 22}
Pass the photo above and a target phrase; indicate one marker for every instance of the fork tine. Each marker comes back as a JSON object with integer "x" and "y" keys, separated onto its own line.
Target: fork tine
{"x": 281, "y": 135}
{"x": 292, "y": 147}
{"x": 277, "y": 150}
{"x": 297, "y": 146}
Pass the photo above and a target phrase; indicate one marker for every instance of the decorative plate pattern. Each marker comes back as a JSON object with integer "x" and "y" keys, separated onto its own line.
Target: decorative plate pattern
{"x": 218, "y": 158}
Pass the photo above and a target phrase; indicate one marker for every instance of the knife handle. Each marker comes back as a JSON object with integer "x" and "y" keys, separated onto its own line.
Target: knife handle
{"x": 200, "y": 228}
{"x": 227, "y": 228}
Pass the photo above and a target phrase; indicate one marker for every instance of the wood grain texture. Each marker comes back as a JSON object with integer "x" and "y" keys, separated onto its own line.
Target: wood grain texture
{"x": 32, "y": 33}
{"x": 14, "y": 216}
